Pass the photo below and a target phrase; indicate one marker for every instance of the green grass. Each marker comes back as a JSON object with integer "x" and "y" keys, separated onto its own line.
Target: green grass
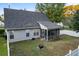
{"x": 3, "y": 47}
{"x": 51, "y": 48}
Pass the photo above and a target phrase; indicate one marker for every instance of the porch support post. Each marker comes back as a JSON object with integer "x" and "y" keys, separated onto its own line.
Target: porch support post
{"x": 7, "y": 40}
{"x": 47, "y": 35}
{"x": 7, "y": 34}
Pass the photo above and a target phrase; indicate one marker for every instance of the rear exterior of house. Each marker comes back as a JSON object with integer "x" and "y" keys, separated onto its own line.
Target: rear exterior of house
{"x": 25, "y": 25}
{"x": 19, "y": 35}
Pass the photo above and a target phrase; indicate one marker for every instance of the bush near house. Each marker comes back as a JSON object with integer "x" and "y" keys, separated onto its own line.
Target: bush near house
{"x": 1, "y": 32}
{"x": 3, "y": 44}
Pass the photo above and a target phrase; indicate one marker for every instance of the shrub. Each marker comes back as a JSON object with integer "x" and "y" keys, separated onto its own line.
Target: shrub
{"x": 2, "y": 32}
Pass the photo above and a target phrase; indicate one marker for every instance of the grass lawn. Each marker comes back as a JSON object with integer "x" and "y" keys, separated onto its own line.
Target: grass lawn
{"x": 51, "y": 48}
{"x": 3, "y": 47}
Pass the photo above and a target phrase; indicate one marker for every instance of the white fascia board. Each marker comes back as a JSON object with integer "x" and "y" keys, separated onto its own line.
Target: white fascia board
{"x": 42, "y": 26}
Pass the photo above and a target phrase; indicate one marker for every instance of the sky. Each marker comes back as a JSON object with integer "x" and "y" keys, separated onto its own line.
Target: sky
{"x": 72, "y": 4}
{"x": 27, "y": 6}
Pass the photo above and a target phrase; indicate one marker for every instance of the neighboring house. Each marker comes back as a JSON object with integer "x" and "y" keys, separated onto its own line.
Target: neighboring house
{"x": 24, "y": 25}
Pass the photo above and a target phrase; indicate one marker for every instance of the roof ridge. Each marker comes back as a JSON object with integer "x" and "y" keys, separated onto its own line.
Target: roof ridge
{"x": 23, "y": 10}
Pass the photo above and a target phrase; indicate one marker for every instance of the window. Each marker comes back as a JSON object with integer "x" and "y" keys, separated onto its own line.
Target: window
{"x": 27, "y": 34}
{"x": 11, "y": 35}
{"x": 36, "y": 33}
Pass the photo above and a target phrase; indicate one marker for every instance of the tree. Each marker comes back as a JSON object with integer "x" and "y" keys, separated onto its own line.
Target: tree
{"x": 54, "y": 11}
{"x": 0, "y": 18}
{"x": 76, "y": 21}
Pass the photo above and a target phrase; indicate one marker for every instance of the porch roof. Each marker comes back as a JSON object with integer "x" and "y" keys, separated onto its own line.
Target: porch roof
{"x": 50, "y": 25}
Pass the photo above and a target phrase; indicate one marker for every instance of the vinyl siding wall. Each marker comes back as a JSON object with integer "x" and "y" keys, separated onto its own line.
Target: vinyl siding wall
{"x": 20, "y": 35}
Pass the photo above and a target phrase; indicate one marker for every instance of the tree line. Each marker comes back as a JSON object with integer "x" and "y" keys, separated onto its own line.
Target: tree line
{"x": 55, "y": 13}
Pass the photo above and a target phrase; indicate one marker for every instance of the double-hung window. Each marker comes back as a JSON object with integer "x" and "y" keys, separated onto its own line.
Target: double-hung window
{"x": 36, "y": 33}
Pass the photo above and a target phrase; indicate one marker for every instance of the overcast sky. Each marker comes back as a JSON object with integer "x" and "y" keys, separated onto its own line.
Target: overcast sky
{"x": 27, "y": 6}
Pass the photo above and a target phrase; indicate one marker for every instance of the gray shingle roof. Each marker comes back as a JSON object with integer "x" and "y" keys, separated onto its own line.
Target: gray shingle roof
{"x": 20, "y": 19}
{"x": 50, "y": 25}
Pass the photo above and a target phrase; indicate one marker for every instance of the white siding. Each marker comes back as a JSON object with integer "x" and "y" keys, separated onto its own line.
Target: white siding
{"x": 20, "y": 35}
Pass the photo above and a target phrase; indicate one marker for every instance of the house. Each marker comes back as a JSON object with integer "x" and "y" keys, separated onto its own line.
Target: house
{"x": 25, "y": 25}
